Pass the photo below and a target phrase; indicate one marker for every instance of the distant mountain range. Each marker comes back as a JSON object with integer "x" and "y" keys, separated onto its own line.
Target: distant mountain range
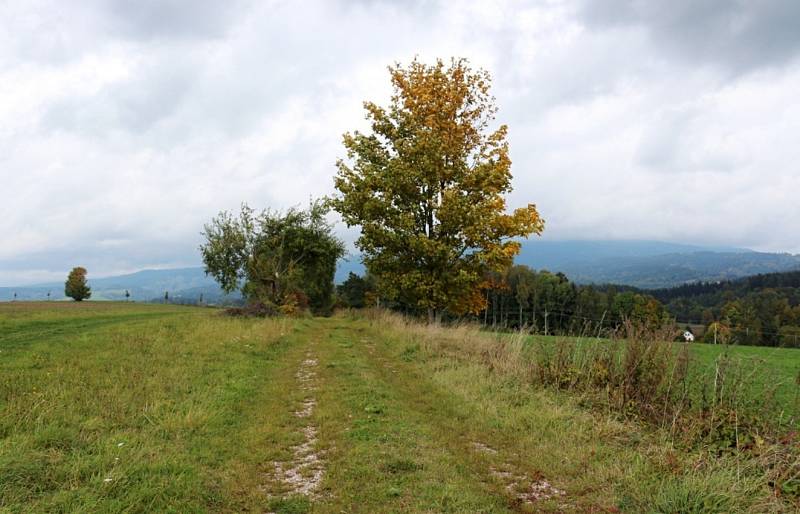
{"x": 650, "y": 264}
{"x": 183, "y": 285}
{"x": 644, "y": 264}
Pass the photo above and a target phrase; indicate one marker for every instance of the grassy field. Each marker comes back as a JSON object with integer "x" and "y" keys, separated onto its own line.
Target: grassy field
{"x": 773, "y": 372}
{"x": 110, "y": 407}
{"x": 767, "y": 371}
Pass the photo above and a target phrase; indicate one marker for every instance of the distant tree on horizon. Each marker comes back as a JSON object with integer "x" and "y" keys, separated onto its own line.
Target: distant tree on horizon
{"x": 76, "y": 287}
{"x": 127, "y": 295}
{"x": 166, "y": 296}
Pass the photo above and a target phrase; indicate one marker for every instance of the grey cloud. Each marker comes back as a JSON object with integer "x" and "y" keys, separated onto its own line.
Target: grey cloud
{"x": 663, "y": 139}
{"x": 39, "y": 31}
{"x": 677, "y": 140}
{"x": 278, "y": 53}
{"x": 59, "y": 32}
{"x": 134, "y": 106}
{"x": 170, "y": 19}
{"x": 739, "y": 36}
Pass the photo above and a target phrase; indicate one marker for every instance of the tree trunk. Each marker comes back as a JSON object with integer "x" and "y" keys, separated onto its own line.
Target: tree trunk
{"x": 502, "y": 304}
{"x": 494, "y": 308}
{"x": 545, "y": 322}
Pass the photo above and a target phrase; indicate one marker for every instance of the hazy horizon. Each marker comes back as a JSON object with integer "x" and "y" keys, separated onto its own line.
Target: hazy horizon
{"x": 59, "y": 276}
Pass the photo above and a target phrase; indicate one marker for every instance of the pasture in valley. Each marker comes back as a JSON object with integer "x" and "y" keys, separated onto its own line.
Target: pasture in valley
{"x": 112, "y": 407}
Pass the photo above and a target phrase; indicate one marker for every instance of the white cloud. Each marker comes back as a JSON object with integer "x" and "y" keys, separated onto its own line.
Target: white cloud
{"x": 124, "y": 127}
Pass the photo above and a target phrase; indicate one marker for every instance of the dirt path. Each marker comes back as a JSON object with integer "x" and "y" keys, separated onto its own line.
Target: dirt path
{"x": 303, "y": 474}
{"x": 372, "y": 426}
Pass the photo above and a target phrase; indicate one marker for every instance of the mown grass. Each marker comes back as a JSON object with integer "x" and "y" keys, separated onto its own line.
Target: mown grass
{"x": 113, "y": 407}
{"x": 27, "y": 322}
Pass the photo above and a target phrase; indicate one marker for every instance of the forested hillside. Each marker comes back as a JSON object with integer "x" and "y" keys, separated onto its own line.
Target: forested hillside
{"x": 762, "y": 309}
{"x": 667, "y": 270}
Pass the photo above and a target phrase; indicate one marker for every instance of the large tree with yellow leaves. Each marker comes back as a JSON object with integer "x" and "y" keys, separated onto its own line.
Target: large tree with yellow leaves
{"x": 427, "y": 184}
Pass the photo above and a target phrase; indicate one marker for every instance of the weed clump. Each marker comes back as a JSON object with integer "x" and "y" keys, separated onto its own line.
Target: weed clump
{"x": 254, "y": 310}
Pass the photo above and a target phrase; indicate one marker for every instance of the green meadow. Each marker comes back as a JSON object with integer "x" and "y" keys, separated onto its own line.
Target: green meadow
{"x": 114, "y": 407}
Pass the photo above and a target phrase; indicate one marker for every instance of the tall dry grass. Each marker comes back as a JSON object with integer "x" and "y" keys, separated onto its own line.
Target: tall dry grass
{"x": 639, "y": 375}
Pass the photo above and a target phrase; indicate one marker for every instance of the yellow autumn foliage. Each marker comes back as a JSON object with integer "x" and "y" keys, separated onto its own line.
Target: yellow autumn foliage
{"x": 427, "y": 186}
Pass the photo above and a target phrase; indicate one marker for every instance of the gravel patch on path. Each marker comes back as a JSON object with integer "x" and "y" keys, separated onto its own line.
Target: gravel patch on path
{"x": 302, "y": 475}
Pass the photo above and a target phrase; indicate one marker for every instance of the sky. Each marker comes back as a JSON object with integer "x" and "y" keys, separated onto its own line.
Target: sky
{"x": 125, "y": 126}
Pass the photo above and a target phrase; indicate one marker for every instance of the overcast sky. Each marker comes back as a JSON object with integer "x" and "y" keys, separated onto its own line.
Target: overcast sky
{"x": 124, "y": 126}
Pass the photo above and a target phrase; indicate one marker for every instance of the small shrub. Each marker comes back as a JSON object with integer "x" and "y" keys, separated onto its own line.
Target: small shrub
{"x": 253, "y": 310}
